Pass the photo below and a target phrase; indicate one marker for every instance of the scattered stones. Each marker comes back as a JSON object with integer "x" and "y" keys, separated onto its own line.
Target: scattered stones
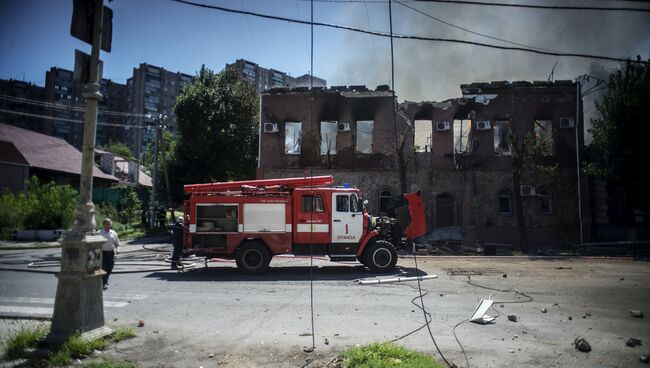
{"x": 505, "y": 275}
{"x": 511, "y": 351}
{"x": 211, "y": 356}
{"x": 500, "y": 305}
{"x": 308, "y": 349}
{"x": 643, "y": 359}
{"x": 636, "y": 313}
{"x": 141, "y": 323}
{"x": 512, "y": 317}
{"x": 633, "y": 342}
{"x": 327, "y": 342}
{"x": 544, "y": 310}
{"x": 336, "y": 334}
{"x": 570, "y": 318}
{"x": 582, "y": 345}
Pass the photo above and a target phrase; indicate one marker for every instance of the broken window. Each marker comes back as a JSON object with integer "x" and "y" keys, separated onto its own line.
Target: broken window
{"x": 462, "y": 130}
{"x": 328, "y": 131}
{"x": 502, "y": 137}
{"x": 545, "y": 202}
{"x": 544, "y": 136}
{"x": 505, "y": 202}
{"x": 364, "y": 136}
{"x": 423, "y": 131}
{"x": 292, "y": 138}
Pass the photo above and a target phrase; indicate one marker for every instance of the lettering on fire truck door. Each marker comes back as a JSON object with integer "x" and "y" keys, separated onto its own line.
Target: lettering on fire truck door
{"x": 347, "y": 218}
{"x": 311, "y": 219}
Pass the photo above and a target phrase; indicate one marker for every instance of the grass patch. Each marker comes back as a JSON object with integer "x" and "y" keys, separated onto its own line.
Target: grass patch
{"x": 20, "y": 344}
{"x": 75, "y": 347}
{"x": 108, "y": 363}
{"x": 386, "y": 355}
{"x": 123, "y": 333}
{"x": 22, "y": 341}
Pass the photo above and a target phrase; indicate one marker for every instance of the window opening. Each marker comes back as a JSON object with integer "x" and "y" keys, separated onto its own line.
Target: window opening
{"x": 502, "y": 137}
{"x": 545, "y": 202}
{"x": 292, "y": 138}
{"x": 328, "y": 131}
{"x": 364, "y": 136}
{"x": 422, "y": 139}
{"x": 505, "y": 202}
{"x": 462, "y": 130}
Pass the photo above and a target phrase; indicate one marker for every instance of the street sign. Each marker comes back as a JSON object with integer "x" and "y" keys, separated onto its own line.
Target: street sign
{"x": 82, "y": 23}
{"x": 81, "y": 73}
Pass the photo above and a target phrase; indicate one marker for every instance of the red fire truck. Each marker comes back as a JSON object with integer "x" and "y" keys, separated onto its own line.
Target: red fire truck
{"x": 251, "y": 221}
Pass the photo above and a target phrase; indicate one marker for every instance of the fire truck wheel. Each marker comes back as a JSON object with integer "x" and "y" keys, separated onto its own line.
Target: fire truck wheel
{"x": 252, "y": 258}
{"x": 381, "y": 256}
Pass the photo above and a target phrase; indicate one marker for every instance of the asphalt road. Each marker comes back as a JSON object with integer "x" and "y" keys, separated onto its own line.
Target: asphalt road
{"x": 265, "y": 320}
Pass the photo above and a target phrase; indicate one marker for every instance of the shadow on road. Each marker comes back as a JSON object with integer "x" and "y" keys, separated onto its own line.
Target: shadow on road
{"x": 296, "y": 273}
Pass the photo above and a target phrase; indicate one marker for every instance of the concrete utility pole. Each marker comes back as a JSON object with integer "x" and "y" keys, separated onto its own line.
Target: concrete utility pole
{"x": 79, "y": 300}
{"x": 153, "y": 205}
{"x": 578, "y": 126}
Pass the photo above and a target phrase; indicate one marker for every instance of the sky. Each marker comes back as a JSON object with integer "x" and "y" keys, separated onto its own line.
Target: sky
{"x": 34, "y": 36}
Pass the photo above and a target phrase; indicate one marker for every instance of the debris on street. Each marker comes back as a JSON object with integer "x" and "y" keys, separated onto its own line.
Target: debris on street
{"x": 581, "y": 344}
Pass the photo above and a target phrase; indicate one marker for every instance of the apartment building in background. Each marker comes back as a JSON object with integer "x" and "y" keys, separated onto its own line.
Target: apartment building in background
{"x": 25, "y": 101}
{"x": 263, "y": 79}
{"x": 152, "y": 92}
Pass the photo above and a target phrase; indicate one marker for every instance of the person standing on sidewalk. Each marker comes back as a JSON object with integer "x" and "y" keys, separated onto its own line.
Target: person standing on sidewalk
{"x": 177, "y": 241}
{"x": 109, "y": 249}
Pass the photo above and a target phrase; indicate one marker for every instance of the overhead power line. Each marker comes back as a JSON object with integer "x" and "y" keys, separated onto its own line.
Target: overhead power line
{"x": 48, "y": 117}
{"x": 67, "y": 107}
{"x": 469, "y": 30}
{"x": 529, "y": 6}
{"x": 405, "y": 37}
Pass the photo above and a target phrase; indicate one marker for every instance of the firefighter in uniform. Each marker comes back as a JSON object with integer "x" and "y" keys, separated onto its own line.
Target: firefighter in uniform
{"x": 177, "y": 241}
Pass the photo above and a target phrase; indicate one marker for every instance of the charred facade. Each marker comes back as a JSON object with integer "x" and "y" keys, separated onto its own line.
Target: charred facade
{"x": 456, "y": 152}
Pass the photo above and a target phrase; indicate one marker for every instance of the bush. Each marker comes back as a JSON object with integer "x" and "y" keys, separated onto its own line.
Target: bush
{"x": 52, "y": 205}
{"x": 44, "y": 206}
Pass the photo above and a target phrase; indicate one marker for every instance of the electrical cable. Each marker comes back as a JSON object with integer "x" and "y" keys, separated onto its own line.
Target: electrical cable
{"x": 408, "y": 37}
{"x": 458, "y": 341}
{"x": 511, "y": 5}
{"x": 530, "y": 298}
{"x": 469, "y": 30}
{"x": 427, "y": 316}
{"x": 67, "y": 107}
{"x": 76, "y": 121}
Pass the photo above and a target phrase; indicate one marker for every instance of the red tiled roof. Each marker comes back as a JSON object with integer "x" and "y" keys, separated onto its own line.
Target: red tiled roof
{"x": 45, "y": 152}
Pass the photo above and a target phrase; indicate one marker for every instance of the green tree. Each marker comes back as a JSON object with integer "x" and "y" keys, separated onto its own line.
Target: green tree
{"x": 530, "y": 156}
{"x": 216, "y": 117}
{"x": 129, "y": 205}
{"x": 119, "y": 149}
{"x": 620, "y": 136}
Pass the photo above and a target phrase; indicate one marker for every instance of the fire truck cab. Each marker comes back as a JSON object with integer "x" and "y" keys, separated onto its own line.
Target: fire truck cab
{"x": 251, "y": 221}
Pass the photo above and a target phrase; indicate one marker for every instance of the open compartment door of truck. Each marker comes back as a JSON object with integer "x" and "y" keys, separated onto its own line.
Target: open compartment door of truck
{"x": 409, "y": 211}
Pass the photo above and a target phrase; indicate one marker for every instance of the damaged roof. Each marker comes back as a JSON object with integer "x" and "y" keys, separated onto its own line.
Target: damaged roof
{"x": 346, "y": 91}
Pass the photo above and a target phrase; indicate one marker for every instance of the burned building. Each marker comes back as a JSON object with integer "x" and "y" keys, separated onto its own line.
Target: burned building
{"x": 456, "y": 152}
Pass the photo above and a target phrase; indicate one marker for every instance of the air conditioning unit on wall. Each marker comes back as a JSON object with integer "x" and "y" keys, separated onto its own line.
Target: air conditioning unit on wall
{"x": 527, "y": 190}
{"x": 271, "y": 128}
{"x": 483, "y": 125}
{"x": 442, "y": 126}
{"x": 343, "y": 127}
{"x": 567, "y": 123}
